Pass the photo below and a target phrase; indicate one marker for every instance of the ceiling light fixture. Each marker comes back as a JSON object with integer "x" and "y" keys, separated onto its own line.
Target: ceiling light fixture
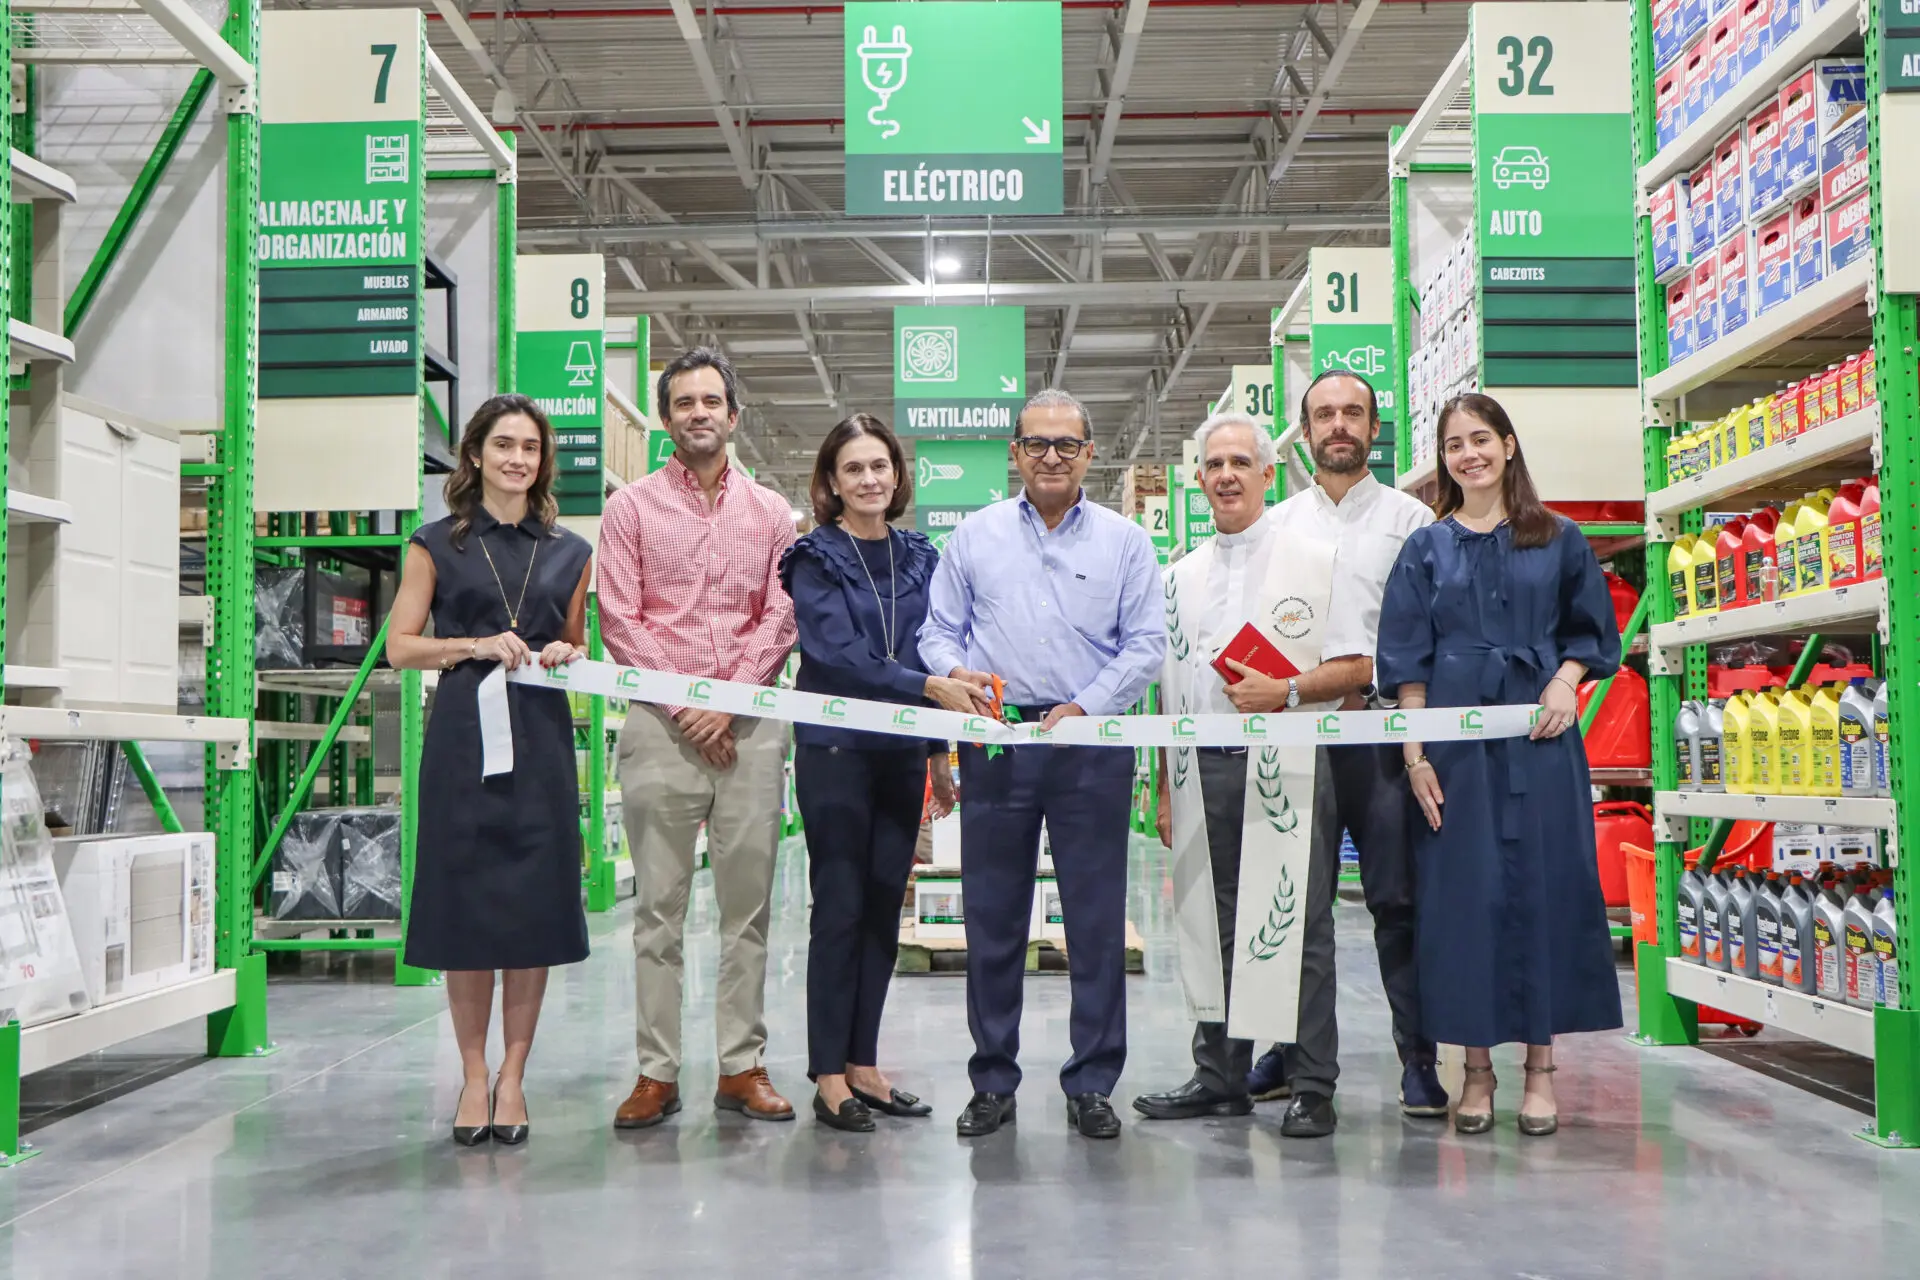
{"x": 946, "y": 264}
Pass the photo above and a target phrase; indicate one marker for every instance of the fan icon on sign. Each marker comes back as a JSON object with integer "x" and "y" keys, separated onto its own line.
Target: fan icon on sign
{"x": 929, "y": 353}
{"x": 884, "y": 68}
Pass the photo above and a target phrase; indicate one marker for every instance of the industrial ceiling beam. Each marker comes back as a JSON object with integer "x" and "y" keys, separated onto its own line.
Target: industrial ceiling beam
{"x": 1134, "y": 23}
{"x": 1131, "y": 293}
{"x": 689, "y": 24}
{"x": 1322, "y": 83}
{"x": 745, "y": 231}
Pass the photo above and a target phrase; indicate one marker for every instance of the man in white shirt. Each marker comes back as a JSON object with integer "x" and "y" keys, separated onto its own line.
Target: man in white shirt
{"x": 1361, "y": 789}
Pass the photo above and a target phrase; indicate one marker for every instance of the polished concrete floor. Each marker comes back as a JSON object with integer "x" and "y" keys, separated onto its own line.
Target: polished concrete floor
{"x": 330, "y": 1158}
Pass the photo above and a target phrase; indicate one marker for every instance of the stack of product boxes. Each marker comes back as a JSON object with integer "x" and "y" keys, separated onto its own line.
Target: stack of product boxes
{"x": 1447, "y": 360}
{"x": 1781, "y": 201}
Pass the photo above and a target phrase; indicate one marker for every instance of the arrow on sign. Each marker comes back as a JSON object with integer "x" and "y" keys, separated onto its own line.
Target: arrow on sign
{"x": 1038, "y": 135}
{"x": 996, "y": 494}
{"x": 1008, "y": 386}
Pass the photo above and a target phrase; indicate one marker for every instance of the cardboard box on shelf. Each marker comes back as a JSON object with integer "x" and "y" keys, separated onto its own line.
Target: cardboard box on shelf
{"x": 1672, "y": 243}
{"x": 1772, "y": 263}
{"x": 1669, "y": 105}
{"x": 1809, "y": 233}
{"x": 1701, "y": 214}
{"x": 1696, "y": 81}
{"x": 1729, "y": 183}
{"x": 1734, "y": 297}
{"x": 1841, "y": 88}
{"x": 1680, "y": 318}
{"x": 1723, "y": 54}
{"x": 1848, "y": 225}
{"x": 1766, "y": 185}
{"x": 1787, "y": 16}
{"x": 1756, "y": 34}
{"x": 1706, "y": 301}
{"x": 1799, "y": 130}
{"x": 1667, "y": 40}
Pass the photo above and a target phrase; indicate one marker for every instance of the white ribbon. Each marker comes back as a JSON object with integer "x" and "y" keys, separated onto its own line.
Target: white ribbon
{"x": 666, "y": 688}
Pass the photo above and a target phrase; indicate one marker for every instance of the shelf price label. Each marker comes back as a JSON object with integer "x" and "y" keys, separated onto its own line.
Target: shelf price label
{"x": 953, "y": 108}
{"x": 560, "y": 326}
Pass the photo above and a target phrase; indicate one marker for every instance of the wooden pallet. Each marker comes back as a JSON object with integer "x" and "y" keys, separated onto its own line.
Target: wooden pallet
{"x": 949, "y": 955}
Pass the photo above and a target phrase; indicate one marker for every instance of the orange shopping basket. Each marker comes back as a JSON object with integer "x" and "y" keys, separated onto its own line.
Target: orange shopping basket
{"x": 1750, "y": 840}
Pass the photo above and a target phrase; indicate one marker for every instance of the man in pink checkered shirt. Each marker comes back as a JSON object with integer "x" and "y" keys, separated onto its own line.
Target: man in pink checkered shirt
{"x": 688, "y": 582}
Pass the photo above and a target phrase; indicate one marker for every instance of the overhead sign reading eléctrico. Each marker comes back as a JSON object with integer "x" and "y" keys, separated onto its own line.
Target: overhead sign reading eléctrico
{"x": 953, "y": 107}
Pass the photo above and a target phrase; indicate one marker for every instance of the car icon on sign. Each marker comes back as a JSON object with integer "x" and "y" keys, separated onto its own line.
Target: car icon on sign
{"x": 1523, "y": 166}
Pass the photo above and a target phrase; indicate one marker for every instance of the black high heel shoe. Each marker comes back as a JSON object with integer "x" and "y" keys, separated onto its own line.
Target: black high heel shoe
{"x": 510, "y": 1135}
{"x": 472, "y": 1135}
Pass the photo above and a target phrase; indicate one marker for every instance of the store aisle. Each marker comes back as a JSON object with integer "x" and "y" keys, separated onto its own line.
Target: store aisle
{"x": 331, "y": 1157}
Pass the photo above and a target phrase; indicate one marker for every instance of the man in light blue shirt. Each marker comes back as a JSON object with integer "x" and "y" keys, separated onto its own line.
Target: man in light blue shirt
{"x": 1063, "y": 600}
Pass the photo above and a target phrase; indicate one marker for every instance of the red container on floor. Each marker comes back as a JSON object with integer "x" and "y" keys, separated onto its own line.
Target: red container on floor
{"x": 1625, "y": 599}
{"x": 1622, "y": 733}
{"x": 1617, "y": 823}
{"x": 1644, "y": 897}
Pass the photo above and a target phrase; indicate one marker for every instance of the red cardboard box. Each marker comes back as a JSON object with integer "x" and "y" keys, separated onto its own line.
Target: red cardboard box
{"x": 1700, "y": 207}
{"x": 1706, "y": 301}
{"x": 1729, "y": 184}
{"x": 1799, "y": 131}
{"x": 1735, "y": 302}
{"x": 1765, "y": 185}
{"x": 1809, "y": 241}
{"x": 1772, "y": 262}
{"x": 1680, "y": 318}
{"x": 1847, "y": 226}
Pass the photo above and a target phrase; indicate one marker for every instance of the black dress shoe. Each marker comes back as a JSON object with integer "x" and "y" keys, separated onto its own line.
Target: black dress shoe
{"x": 1191, "y": 1101}
{"x": 852, "y": 1117}
{"x": 897, "y": 1103}
{"x": 985, "y": 1113}
{"x": 511, "y": 1135}
{"x": 1310, "y": 1115}
{"x": 1092, "y": 1114}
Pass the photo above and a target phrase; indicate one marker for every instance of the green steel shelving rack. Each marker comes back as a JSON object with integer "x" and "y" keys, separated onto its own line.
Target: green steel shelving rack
{"x": 1850, "y": 303}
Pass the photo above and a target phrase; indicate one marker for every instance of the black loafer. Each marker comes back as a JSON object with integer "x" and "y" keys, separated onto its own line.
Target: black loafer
{"x": 1191, "y": 1101}
{"x": 1093, "y": 1115}
{"x": 852, "y": 1117}
{"x": 1310, "y": 1115}
{"x": 985, "y": 1113}
{"x": 897, "y": 1103}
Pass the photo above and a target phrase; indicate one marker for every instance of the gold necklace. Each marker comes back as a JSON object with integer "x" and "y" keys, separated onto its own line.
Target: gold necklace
{"x": 513, "y": 610}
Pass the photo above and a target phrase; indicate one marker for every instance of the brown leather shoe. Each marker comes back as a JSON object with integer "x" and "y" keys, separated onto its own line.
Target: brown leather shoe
{"x": 650, "y": 1102}
{"x": 752, "y": 1093}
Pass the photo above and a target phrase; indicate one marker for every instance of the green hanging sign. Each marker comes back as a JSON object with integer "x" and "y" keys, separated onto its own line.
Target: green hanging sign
{"x": 1900, "y": 46}
{"x": 1351, "y": 329}
{"x": 952, "y": 478}
{"x": 953, "y": 108}
{"x": 560, "y": 327}
{"x": 958, "y": 370}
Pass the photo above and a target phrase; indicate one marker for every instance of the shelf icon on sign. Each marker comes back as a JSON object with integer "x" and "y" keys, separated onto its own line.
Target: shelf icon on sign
{"x": 1368, "y": 361}
{"x": 387, "y": 157}
{"x": 929, "y": 353}
{"x": 884, "y": 69}
{"x": 580, "y": 363}
{"x": 930, "y": 471}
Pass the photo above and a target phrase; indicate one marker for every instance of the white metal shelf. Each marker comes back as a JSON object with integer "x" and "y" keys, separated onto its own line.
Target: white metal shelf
{"x": 20, "y": 676}
{"x": 32, "y": 508}
{"x": 36, "y": 180}
{"x": 1423, "y": 473}
{"x": 1832, "y": 296}
{"x": 1841, "y": 438}
{"x": 52, "y": 1043}
{"x": 1843, "y": 811}
{"x": 27, "y": 343}
{"x": 1840, "y": 1025}
{"x": 76, "y": 724}
{"x": 1813, "y": 611}
{"x": 296, "y": 731}
{"x": 1821, "y": 32}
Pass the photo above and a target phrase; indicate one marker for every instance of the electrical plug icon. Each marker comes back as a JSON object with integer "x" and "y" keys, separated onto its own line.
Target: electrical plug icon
{"x": 884, "y": 69}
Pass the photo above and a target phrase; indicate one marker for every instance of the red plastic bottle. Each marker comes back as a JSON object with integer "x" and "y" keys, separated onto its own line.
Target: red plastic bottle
{"x": 1845, "y": 565}
{"x": 1726, "y": 562}
{"x": 1757, "y": 556}
{"x": 1872, "y": 564}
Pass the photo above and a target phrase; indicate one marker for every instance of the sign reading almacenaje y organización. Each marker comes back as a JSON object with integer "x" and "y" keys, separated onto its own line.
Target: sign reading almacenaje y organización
{"x": 342, "y": 106}
{"x": 953, "y": 107}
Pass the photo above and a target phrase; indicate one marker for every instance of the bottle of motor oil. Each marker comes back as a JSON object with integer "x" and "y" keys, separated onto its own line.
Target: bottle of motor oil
{"x": 1794, "y": 736}
{"x": 1691, "y": 907}
{"x": 1726, "y": 563}
{"x": 1857, "y": 776}
{"x": 1872, "y": 560}
{"x": 1829, "y": 942}
{"x": 1810, "y": 543}
{"x": 1763, "y": 743}
{"x": 1736, "y": 764}
{"x": 1886, "y": 952}
{"x": 1882, "y": 743}
{"x": 1686, "y": 745}
{"x": 1706, "y": 587}
{"x": 1712, "y": 739}
{"x": 1713, "y": 921}
{"x": 1844, "y": 567}
{"x": 1767, "y": 904}
{"x": 1796, "y": 936}
{"x": 1680, "y": 576}
{"x": 1743, "y": 951}
{"x": 1823, "y": 747}
{"x": 1783, "y": 543}
{"x": 1857, "y": 966}
{"x": 1758, "y": 553}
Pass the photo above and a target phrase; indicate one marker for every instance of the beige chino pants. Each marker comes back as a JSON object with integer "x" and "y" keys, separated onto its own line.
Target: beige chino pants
{"x": 666, "y": 792}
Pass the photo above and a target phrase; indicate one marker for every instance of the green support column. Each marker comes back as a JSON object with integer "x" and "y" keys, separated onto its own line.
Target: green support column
{"x": 1403, "y": 291}
{"x": 1896, "y": 336}
{"x": 600, "y": 894}
{"x": 241, "y": 1030}
{"x": 507, "y": 247}
{"x": 1663, "y": 1018}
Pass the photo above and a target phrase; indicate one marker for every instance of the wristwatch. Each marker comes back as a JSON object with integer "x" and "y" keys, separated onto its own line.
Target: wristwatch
{"x": 1293, "y": 693}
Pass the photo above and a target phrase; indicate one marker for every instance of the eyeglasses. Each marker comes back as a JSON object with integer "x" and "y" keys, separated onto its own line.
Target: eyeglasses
{"x": 1068, "y": 447}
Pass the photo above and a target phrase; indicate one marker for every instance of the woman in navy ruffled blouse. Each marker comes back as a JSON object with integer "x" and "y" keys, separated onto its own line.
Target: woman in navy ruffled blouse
{"x": 859, "y": 591}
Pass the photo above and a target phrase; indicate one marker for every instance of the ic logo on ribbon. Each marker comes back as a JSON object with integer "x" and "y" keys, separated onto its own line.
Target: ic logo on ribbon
{"x": 700, "y": 691}
{"x": 974, "y": 725}
{"x": 766, "y": 700}
{"x": 1183, "y": 727}
{"x": 1327, "y": 726}
{"x": 906, "y": 717}
{"x": 1254, "y": 727}
{"x": 1472, "y": 722}
{"x": 1396, "y": 723}
{"x": 627, "y": 679}
{"x": 1110, "y": 728}
{"x": 556, "y": 675}
{"x": 834, "y": 709}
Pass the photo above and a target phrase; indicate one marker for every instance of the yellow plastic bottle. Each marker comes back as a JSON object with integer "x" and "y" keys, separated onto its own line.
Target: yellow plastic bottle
{"x": 1737, "y": 431}
{"x": 1676, "y": 452}
{"x": 1705, "y": 574}
{"x": 1763, "y": 424}
{"x": 1823, "y": 756}
{"x": 1810, "y": 543}
{"x": 1680, "y": 576}
{"x": 1786, "y": 557}
{"x": 1763, "y": 755}
{"x": 1793, "y": 732}
{"x": 1736, "y": 768}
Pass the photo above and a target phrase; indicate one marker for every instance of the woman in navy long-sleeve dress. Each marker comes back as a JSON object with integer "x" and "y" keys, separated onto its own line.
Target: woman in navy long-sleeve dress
{"x": 859, "y": 591}
{"x": 1502, "y": 603}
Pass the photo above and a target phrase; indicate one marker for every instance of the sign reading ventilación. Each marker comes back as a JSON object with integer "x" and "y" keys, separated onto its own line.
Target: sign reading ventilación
{"x": 958, "y": 371}
{"x": 953, "y": 108}
{"x": 560, "y": 326}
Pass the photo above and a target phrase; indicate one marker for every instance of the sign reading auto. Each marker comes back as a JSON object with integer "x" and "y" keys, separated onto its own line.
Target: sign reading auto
{"x": 953, "y": 108}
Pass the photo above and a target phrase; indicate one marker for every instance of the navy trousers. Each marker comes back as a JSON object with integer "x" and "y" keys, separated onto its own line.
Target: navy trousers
{"x": 1083, "y": 794}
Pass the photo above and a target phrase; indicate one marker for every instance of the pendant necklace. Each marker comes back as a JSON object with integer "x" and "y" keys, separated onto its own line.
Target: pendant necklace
{"x": 513, "y": 610}
{"x": 893, "y": 587}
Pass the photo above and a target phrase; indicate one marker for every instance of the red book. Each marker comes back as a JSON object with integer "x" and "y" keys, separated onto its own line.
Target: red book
{"x": 1251, "y": 648}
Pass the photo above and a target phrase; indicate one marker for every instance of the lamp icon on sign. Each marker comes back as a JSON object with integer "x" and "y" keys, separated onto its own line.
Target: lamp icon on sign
{"x": 884, "y": 68}
{"x": 580, "y": 363}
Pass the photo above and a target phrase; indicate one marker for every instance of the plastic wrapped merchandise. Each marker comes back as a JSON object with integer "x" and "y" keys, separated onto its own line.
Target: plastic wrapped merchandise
{"x": 342, "y": 615}
{"x": 279, "y": 619}
{"x": 305, "y": 882}
{"x": 40, "y": 974}
{"x": 369, "y": 863}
